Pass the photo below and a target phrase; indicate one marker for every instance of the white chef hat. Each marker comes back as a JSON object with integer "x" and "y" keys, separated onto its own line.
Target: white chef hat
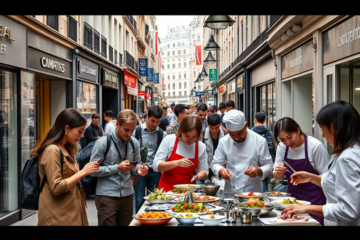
{"x": 234, "y": 120}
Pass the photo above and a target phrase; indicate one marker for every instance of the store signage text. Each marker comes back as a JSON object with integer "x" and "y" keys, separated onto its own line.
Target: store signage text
{"x": 132, "y": 91}
{"x": 296, "y": 61}
{"x": 6, "y": 32}
{"x": 51, "y": 64}
{"x": 86, "y": 69}
{"x": 129, "y": 79}
{"x": 3, "y": 49}
{"x": 349, "y": 37}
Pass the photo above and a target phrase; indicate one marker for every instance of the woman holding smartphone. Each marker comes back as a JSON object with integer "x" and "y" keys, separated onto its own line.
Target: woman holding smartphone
{"x": 340, "y": 181}
{"x": 62, "y": 200}
{"x": 182, "y": 156}
{"x": 302, "y": 153}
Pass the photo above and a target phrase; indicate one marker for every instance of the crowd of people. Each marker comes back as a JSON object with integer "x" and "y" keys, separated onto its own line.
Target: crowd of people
{"x": 187, "y": 144}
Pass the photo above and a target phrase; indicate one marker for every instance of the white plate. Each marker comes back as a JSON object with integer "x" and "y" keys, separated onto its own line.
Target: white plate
{"x": 283, "y": 193}
{"x": 212, "y": 222}
{"x": 179, "y": 199}
{"x": 155, "y": 201}
{"x": 278, "y": 205}
{"x": 217, "y": 208}
{"x": 181, "y": 194}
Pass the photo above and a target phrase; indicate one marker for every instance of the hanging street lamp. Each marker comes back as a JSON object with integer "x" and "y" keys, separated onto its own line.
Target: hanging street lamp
{"x": 209, "y": 59}
{"x": 211, "y": 45}
{"x": 218, "y": 22}
{"x": 203, "y": 74}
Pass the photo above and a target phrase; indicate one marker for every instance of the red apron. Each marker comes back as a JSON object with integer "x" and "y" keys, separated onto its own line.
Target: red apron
{"x": 178, "y": 175}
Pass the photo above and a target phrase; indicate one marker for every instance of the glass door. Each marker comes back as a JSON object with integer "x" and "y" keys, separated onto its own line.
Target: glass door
{"x": 329, "y": 96}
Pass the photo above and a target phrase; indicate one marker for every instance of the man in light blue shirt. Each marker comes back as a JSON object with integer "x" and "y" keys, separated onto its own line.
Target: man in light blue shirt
{"x": 114, "y": 190}
{"x": 148, "y": 137}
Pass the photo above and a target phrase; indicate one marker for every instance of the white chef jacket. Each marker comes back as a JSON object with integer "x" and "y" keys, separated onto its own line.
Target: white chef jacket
{"x": 188, "y": 151}
{"x": 317, "y": 154}
{"x": 341, "y": 186}
{"x": 253, "y": 150}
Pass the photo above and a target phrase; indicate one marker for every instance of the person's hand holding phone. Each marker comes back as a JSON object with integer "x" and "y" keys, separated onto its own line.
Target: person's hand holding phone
{"x": 125, "y": 166}
{"x": 142, "y": 170}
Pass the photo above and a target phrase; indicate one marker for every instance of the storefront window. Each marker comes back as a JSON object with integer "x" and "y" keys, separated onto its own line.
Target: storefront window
{"x": 8, "y": 143}
{"x": 86, "y": 99}
{"x": 269, "y": 108}
{"x": 356, "y": 77}
{"x": 263, "y": 103}
{"x": 344, "y": 84}
{"x": 273, "y": 106}
{"x": 27, "y": 115}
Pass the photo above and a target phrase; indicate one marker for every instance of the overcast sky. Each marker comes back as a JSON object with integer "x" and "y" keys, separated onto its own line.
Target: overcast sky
{"x": 162, "y": 21}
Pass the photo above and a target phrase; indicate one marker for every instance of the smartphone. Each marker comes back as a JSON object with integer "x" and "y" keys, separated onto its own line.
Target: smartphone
{"x": 100, "y": 161}
{"x": 133, "y": 162}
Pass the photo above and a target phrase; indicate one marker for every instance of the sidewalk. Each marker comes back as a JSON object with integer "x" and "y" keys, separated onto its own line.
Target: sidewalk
{"x": 91, "y": 211}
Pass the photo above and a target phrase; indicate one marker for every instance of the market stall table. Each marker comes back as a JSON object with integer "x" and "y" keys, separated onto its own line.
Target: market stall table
{"x": 174, "y": 222}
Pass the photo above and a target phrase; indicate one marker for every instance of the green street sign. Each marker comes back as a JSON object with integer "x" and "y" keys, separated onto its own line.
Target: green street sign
{"x": 213, "y": 75}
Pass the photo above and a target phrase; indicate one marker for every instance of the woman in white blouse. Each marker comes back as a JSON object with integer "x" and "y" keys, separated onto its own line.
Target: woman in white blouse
{"x": 302, "y": 153}
{"x": 182, "y": 155}
{"x": 340, "y": 181}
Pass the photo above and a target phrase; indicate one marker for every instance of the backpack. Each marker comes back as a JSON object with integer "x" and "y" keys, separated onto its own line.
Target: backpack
{"x": 88, "y": 182}
{"x": 29, "y": 184}
{"x": 270, "y": 142}
{"x": 144, "y": 150}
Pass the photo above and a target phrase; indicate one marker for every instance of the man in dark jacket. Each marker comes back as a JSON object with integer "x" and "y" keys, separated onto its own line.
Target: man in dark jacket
{"x": 259, "y": 128}
{"x": 93, "y": 132}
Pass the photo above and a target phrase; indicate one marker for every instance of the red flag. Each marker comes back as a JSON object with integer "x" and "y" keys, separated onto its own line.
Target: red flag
{"x": 156, "y": 43}
{"x": 160, "y": 63}
{"x": 163, "y": 85}
{"x": 198, "y": 55}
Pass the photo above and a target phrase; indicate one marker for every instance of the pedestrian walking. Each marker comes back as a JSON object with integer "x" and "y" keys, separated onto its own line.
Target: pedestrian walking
{"x": 149, "y": 134}
{"x": 62, "y": 200}
{"x": 302, "y": 153}
{"x": 259, "y": 128}
{"x": 211, "y": 137}
{"x": 114, "y": 190}
{"x": 340, "y": 182}
{"x": 164, "y": 123}
{"x": 181, "y": 111}
{"x": 93, "y": 132}
{"x": 110, "y": 122}
{"x": 182, "y": 156}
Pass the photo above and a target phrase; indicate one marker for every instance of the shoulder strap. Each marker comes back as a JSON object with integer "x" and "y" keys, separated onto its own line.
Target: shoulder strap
{"x": 132, "y": 145}
{"x": 203, "y": 136}
{"x": 159, "y": 138}
{"x": 138, "y": 134}
{"x": 61, "y": 163}
{"x": 108, "y": 142}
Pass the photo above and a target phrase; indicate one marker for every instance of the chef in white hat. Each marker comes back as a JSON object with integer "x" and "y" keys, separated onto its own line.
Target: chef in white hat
{"x": 242, "y": 156}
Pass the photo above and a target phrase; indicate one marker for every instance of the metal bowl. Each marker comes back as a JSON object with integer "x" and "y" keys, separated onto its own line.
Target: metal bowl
{"x": 244, "y": 196}
{"x": 210, "y": 190}
{"x": 255, "y": 211}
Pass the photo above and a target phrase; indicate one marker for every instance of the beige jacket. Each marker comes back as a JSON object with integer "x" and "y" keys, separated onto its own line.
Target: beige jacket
{"x": 57, "y": 207}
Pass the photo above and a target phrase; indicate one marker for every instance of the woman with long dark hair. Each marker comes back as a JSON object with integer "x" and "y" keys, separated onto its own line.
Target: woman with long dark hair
{"x": 302, "y": 153}
{"x": 340, "y": 125}
{"x": 62, "y": 200}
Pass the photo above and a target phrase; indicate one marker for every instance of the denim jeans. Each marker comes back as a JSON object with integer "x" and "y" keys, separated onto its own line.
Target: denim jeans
{"x": 146, "y": 183}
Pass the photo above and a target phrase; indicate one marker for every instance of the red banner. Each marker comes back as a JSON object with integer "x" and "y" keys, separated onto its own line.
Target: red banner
{"x": 141, "y": 93}
{"x": 148, "y": 96}
{"x": 129, "y": 79}
{"x": 156, "y": 43}
{"x": 198, "y": 55}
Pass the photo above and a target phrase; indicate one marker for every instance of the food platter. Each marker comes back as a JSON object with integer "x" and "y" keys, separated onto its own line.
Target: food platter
{"x": 159, "y": 201}
{"x": 191, "y": 187}
{"x": 200, "y": 199}
{"x": 277, "y": 203}
{"x": 263, "y": 211}
{"x": 209, "y": 208}
{"x": 245, "y": 195}
{"x": 154, "y": 221}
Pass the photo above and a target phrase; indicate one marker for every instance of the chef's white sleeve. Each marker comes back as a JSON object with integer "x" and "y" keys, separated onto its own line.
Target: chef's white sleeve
{"x": 278, "y": 160}
{"x": 219, "y": 159}
{"x": 265, "y": 160}
{"x": 347, "y": 190}
{"x": 162, "y": 153}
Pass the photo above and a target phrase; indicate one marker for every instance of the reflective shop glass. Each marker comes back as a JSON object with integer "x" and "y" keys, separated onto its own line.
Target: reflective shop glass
{"x": 86, "y": 96}
{"x": 8, "y": 142}
{"x": 356, "y": 89}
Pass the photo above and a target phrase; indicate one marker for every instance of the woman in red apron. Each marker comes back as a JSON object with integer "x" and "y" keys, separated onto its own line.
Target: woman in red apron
{"x": 178, "y": 169}
{"x": 303, "y": 148}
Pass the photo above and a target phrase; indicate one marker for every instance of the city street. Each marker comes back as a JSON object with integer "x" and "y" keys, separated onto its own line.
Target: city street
{"x": 91, "y": 211}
